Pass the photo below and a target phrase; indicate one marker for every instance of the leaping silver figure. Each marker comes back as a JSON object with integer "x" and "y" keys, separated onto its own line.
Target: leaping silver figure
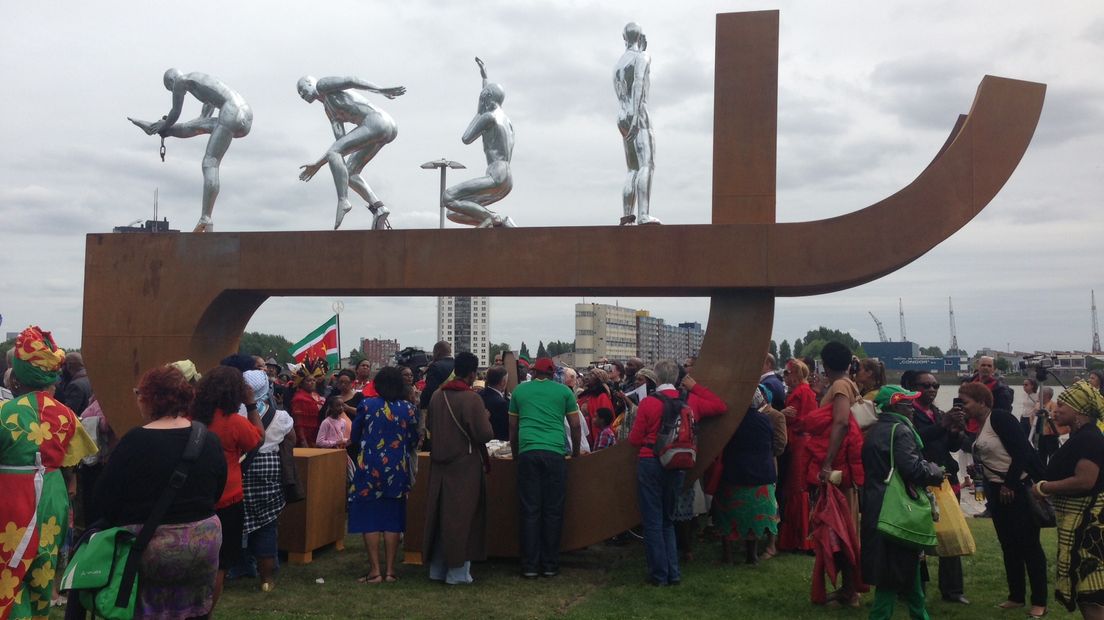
{"x": 233, "y": 121}
{"x": 468, "y": 200}
{"x": 374, "y": 129}
{"x": 630, "y": 82}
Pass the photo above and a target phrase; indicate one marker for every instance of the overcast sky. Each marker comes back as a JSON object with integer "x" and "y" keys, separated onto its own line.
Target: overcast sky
{"x": 868, "y": 92}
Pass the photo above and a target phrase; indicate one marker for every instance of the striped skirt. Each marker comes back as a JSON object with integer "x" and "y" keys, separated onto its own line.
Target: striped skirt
{"x": 1080, "y": 550}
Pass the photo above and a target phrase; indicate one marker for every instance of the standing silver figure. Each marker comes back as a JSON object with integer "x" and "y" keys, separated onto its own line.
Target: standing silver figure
{"x": 374, "y": 129}
{"x": 233, "y": 121}
{"x": 630, "y": 82}
{"x": 468, "y": 200}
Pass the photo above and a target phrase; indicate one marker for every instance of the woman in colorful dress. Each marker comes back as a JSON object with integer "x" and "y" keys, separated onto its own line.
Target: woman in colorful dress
{"x": 38, "y": 435}
{"x": 306, "y": 402}
{"x": 745, "y": 508}
{"x": 1075, "y": 479}
{"x": 384, "y": 436}
{"x": 595, "y": 396}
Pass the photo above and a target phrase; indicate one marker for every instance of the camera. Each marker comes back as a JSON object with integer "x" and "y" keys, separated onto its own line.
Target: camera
{"x": 1040, "y": 363}
{"x": 414, "y": 359}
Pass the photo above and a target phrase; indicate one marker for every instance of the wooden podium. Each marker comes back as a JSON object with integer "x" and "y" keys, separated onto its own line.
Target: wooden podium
{"x": 319, "y": 519}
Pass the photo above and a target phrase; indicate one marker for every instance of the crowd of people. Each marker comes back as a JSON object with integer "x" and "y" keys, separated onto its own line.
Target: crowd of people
{"x": 807, "y": 470}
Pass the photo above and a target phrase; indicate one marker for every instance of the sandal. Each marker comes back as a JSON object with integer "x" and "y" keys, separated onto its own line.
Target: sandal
{"x": 1010, "y": 605}
{"x": 391, "y": 578}
{"x": 373, "y": 579}
{"x": 1038, "y": 615}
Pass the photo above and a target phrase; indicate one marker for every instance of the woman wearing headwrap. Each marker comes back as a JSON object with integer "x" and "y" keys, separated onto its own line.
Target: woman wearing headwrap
{"x": 595, "y": 396}
{"x": 38, "y": 435}
{"x": 1074, "y": 479}
{"x": 306, "y": 401}
{"x": 262, "y": 481}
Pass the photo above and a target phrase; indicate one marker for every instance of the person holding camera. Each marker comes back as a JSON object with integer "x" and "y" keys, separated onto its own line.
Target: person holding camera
{"x": 942, "y": 434}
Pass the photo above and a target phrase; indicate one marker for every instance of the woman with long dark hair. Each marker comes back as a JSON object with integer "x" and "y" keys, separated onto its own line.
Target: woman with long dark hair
{"x": 219, "y": 396}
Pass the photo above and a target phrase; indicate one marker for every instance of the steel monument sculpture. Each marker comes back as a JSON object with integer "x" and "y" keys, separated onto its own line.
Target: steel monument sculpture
{"x": 233, "y": 121}
{"x": 468, "y": 200}
{"x": 351, "y": 150}
{"x": 631, "y": 80}
{"x": 144, "y": 306}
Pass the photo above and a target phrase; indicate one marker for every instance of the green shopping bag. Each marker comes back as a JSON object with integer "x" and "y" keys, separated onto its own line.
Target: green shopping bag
{"x": 905, "y": 519}
{"x": 96, "y": 571}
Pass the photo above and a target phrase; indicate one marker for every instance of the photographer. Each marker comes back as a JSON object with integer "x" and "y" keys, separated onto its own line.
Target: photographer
{"x": 942, "y": 434}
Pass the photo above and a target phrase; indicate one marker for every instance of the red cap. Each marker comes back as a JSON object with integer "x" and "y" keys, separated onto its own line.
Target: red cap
{"x": 545, "y": 365}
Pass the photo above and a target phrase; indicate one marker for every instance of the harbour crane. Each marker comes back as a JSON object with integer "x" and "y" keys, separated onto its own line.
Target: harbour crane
{"x": 954, "y": 332}
{"x": 901, "y": 312}
{"x": 881, "y": 328}
{"x": 1095, "y": 326}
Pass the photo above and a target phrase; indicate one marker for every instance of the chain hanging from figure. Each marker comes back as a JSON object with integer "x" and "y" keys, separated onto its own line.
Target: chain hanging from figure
{"x": 468, "y": 200}
{"x": 233, "y": 121}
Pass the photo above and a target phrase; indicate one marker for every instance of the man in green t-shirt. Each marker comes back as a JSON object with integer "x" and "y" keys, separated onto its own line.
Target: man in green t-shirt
{"x": 537, "y": 439}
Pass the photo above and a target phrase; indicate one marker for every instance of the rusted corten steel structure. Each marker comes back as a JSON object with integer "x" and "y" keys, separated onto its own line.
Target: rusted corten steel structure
{"x": 152, "y": 299}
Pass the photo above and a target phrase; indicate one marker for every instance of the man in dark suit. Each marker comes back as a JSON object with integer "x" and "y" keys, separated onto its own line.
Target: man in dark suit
{"x": 496, "y": 402}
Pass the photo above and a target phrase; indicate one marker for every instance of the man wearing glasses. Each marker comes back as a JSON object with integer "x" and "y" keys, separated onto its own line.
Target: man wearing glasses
{"x": 942, "y": 433}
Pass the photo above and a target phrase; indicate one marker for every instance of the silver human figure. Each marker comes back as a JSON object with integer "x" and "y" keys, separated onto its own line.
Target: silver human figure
{"x": 374, "y": 129}
{"x": 468, "y": 200}
{"x": 630, "y": 82}
{"x": 233, "y": 121}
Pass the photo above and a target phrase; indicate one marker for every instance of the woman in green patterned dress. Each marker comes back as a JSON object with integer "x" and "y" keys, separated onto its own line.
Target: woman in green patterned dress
{"x": 38, "y": 436}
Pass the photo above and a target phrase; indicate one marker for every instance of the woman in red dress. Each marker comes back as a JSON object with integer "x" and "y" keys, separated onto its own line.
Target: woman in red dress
{"x": 793, "y": 534}
{"x": 307, "y": 402}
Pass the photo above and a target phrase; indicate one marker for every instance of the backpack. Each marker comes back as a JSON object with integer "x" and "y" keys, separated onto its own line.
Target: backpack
{"x": 676, "y": 444}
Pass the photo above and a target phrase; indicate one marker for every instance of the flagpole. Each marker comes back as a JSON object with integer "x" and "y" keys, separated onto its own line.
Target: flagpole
{"x": 338, "y": 307}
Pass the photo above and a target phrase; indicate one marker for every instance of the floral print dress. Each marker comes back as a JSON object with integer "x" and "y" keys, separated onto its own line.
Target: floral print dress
{"x": 382, "y": 442}
{"x": 38, "y": 435}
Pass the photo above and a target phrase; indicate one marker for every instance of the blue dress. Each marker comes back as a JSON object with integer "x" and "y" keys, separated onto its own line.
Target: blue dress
{"x": 382, "y": 443}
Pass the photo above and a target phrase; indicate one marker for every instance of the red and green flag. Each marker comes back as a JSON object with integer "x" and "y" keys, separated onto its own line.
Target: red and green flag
{"x": 319, "y": 344}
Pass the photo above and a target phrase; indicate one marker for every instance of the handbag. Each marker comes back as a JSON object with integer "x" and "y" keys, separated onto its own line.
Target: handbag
{"x": 104, "y": 568}
{"x": 865, "y": 413}
{"x": 906, "y": 518}
{"x": 1042, "y": 510}
{"x": 954, "y": 537}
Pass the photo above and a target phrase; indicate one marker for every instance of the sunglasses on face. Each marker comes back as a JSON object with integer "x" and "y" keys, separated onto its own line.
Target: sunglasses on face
{"x": 934, "y": 386}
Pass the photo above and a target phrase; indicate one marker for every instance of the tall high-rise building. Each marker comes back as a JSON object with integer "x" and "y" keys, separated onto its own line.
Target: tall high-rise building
{"x": 464, "y": 322}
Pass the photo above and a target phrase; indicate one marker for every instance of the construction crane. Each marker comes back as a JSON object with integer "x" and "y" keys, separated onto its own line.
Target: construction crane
{"x": 901, "y": 312}
{"x": 954, "y": 332}
{"x": 881, "y": 329}
{"x": 1095, "y": 326}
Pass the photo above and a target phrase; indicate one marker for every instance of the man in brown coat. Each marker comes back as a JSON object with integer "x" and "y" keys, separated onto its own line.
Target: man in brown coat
{"x": 456, "y": 502}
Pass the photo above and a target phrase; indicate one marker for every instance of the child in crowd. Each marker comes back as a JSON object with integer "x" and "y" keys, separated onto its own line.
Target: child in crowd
{"x": 334, "y": 429}
{"x": 606, "y": 437}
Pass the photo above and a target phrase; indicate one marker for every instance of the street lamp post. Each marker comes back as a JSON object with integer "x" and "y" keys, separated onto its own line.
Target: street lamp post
{"x": 444, "y": 165}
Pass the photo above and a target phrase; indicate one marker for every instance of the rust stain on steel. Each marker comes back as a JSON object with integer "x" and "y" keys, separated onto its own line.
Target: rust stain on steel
{"x": 197, "y": 303}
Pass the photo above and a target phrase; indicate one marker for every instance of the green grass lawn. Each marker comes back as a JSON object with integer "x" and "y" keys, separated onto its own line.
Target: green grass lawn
{"x": 599, "y": 582}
